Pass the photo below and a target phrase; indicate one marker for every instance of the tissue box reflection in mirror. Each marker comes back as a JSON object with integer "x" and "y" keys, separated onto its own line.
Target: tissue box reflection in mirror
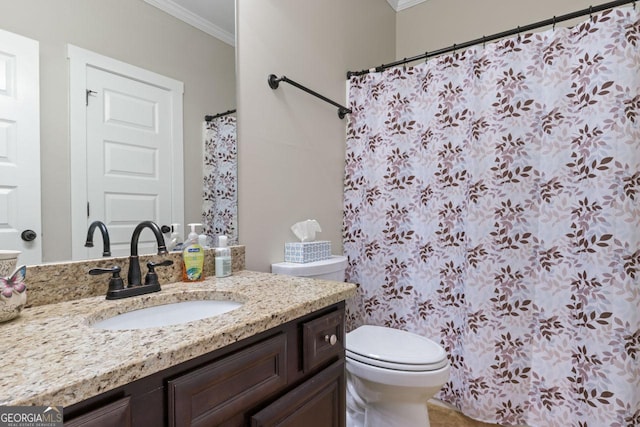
{"x": 307, "y": 251}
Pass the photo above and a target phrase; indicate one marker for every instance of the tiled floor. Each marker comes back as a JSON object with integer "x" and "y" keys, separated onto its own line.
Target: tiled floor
{"x": 440, "y": 416}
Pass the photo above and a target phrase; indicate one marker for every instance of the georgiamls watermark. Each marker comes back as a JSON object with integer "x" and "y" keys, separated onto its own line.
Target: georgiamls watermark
{"x": 30, "y": 416}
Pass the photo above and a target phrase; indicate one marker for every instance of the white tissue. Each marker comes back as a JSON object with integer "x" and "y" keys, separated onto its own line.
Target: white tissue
{"x": 305, "y": 231}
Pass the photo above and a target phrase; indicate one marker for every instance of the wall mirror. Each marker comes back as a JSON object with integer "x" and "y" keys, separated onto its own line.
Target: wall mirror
{"x": 137, "y": 32}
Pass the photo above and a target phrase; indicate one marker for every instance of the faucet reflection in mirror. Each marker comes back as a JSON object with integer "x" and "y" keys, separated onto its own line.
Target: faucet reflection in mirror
{"x": 220, "y": 189}
{"x": 106, "y": 243}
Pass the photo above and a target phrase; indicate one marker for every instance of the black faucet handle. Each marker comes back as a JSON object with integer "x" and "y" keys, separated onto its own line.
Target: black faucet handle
{"x": 152, "y": 277}
{"x": 115, "y": 270}
{"x": 151, "y": 265}
{"x": 115, "y": 283}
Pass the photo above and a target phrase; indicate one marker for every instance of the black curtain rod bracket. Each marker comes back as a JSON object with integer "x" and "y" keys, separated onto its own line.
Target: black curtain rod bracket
{"x": 484, "y": 39}
{"x": 274, "y": 83}
{"x": 226, "y": 113}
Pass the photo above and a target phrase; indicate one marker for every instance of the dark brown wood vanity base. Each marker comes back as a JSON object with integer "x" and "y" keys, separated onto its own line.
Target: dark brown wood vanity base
{"x": 290, "y": 375}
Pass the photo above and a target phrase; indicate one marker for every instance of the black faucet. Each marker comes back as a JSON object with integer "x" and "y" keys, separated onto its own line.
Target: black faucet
{"x": 106, "y": 243}
{"x": 134, "y": 277}
{"x": 135, "y": 287}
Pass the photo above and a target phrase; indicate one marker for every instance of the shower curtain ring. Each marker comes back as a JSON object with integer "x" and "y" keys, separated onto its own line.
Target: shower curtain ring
{"x": 519, "y": 36}
{"x": 426, "y": 57}
{"x": 554, "y": 23}
{"x": 590, "y": 12}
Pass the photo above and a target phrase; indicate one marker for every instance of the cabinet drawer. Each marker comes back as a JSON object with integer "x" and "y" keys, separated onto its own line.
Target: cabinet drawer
{"x": 214, "y": 393}
{"x": 319, "y": 402}
{"x": 322, "y": 340}
{"x": 116, "y": 414}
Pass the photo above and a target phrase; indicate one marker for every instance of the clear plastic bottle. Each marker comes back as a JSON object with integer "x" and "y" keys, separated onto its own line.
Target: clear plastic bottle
{"x": 222, "y": 258}
{"x": 175, "y": 241}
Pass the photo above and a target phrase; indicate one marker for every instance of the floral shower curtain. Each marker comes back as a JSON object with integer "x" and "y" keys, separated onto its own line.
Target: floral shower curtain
{"x": 220, "y": 198}
{"x": 492, "y": 203}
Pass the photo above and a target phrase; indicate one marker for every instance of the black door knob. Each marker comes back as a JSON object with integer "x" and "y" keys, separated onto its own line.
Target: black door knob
{"x": 28, "y": 235}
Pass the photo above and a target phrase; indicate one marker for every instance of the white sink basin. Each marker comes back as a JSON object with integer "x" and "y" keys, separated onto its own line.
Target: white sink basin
{"x": 167, "y": 314}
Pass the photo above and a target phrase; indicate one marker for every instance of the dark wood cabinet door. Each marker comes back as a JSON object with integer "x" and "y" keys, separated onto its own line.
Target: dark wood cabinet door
{"x": 218, "y": 392}
{"x": 116, "y": 414}
{"x": 319, "y": 402}
{"x": 322, "y": 340}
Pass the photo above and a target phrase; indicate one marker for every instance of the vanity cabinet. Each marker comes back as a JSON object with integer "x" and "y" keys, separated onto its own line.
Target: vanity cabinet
{"x": 291, "y": 375}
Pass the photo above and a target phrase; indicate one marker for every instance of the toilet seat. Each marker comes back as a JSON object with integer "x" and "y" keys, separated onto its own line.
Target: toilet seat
{"x": 394, "y": 349}
{"x": 398, "y": 378}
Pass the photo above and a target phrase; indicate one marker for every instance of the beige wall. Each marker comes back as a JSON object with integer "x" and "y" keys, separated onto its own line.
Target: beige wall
{"x": 436, "y": 24}
{"x": 292, "y": 145}
{"x": 134, "y": 32}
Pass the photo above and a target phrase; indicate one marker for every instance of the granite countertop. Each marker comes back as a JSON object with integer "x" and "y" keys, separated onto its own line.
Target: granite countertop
{"x": 51, "y": 355}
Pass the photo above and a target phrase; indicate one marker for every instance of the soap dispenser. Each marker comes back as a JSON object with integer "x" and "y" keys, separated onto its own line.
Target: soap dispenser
{"x": 222, "y": 258}
{"x": 193, "y": 257}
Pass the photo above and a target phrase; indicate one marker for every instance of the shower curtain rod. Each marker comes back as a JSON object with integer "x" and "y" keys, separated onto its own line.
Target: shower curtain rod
{"x": 274, "y": 82}
{"x": 516, "y": 31}
{"x": 226, "y": 113}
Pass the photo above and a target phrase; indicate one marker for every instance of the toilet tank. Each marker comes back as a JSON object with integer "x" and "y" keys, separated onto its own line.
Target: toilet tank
{"x": 328, "y": 269}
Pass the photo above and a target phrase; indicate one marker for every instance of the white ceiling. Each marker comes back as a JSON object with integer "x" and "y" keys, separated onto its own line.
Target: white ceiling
{"x": 217, "y": 17}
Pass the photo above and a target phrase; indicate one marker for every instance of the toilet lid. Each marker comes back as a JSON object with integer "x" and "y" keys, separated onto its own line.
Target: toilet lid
{"x": 394, "y": 349}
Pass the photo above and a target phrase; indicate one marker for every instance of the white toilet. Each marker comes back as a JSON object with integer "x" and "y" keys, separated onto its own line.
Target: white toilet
{"x": 391, "y": 374}
{"x": 328, "y": 269}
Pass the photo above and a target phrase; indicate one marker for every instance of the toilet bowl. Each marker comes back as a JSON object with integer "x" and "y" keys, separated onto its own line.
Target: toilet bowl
{"x": 390, "y": 373}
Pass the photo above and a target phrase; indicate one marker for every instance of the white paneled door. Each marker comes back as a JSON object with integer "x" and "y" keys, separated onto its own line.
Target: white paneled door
{"x": 128, "y": 157}
{"x": 133, "y": 150}
{"x": 20, "y": 223}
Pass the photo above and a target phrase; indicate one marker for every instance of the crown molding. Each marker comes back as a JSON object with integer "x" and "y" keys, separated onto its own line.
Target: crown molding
{"x": 194, "y": 20}
{"x": 399, "y": 5}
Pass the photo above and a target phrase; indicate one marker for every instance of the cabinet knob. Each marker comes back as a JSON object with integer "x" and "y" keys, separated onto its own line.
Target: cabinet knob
{"x": 331, "y": 339}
